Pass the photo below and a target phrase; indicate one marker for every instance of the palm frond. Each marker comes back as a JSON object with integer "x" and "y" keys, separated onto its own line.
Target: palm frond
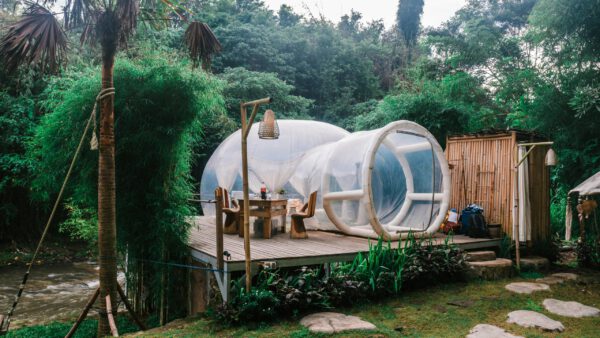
{"x": 201, "y": 43}
{"x": 79, "y": 13}
{"x": 128, "y": 11}
{"x": 36, "y": 37}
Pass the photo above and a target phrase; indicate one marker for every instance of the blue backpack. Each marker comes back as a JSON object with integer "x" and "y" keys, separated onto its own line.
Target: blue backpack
{"x": 473, "y": 223}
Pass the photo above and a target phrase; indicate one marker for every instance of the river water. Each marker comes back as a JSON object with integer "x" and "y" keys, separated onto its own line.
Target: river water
{"x": 53, "y": 292}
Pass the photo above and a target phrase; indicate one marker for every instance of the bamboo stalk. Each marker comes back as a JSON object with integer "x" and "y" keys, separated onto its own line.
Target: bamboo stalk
{"x": 111, "y": 319}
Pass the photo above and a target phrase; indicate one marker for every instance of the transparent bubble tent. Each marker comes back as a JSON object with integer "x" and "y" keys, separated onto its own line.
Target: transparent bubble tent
{"x": 385, "y": 182}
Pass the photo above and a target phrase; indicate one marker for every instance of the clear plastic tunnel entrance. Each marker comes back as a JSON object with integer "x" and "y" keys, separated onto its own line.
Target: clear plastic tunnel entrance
{"x": 384, "y": 182}
{"x": 387, "y": 182}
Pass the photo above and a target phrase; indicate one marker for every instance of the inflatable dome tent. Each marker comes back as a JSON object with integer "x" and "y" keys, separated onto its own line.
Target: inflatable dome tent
{"x": 385, "y": 182}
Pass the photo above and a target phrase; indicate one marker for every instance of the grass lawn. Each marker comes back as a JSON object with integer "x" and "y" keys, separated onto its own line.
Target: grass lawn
{"x": 426, "y": 313}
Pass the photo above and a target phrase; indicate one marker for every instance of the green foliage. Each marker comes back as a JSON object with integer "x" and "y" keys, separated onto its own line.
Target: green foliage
{"x": 161, "y": 109}
{"x": 86, "y": 329}
{"x": 588, "y": 252}
{"x": 548, "y": 248}
{"x": 408, "y": 19}
{"x": 507, "y": 248}
{"x": 443, "y": 107}
{"x": 244, "y": 85}
{"x": 17, "y": 122}
{"x": 381, "y": 272}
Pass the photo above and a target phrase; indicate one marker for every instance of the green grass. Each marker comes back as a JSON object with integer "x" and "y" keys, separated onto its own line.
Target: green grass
{"x": 87, "y": 328}
{"x": 425, "y": 313}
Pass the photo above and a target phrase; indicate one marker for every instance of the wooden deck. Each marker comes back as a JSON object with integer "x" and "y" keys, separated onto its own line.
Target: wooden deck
{"x": 320, "y": 247}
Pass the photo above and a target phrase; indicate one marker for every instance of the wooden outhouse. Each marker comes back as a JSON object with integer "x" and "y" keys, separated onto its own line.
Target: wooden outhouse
{"x": 482, "y": 167}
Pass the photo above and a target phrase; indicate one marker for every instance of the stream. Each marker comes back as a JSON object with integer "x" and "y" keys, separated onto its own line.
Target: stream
{"x": 53, "y": 292}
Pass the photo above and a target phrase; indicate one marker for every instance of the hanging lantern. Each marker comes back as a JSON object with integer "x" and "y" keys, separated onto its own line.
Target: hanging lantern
{"x": 268, "y": 128}
{"x": 550, "y": 158}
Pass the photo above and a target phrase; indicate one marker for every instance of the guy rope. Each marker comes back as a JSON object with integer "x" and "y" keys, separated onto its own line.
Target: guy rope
{"x": 5, "y": 320}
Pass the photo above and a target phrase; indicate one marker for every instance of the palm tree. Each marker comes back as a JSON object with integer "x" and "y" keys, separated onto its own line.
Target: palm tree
{"x": 38, "y": 38}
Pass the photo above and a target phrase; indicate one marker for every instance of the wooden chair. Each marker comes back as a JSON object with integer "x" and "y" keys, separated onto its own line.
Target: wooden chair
{"x": 298, "y": 231}
{"x": 231, "y": 209}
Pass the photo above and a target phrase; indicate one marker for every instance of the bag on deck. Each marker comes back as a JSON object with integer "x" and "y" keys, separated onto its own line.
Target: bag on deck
{"x": 473, "y": 222}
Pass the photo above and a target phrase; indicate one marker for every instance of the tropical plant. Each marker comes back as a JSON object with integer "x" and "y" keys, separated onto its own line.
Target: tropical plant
{"x": 39, "y": 38}
{"x": 383, "y": 271}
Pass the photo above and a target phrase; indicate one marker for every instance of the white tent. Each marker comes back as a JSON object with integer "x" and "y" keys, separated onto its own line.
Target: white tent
{"x": 384, "y": 182}
{"x": 589, "y": 187}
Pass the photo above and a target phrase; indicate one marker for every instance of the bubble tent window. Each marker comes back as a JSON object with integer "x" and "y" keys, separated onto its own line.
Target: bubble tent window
{"x": 384, "y": 182}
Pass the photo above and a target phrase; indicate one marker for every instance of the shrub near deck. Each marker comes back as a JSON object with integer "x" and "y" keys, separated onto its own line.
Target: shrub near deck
{"x": 381, "y": 272}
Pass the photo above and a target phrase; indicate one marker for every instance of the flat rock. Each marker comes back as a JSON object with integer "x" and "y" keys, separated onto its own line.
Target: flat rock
{"x": 526, "y": 287}
{"x": 534, "y": 263}
{"x": 570, "y": 309}
{"x": 489, "y": 331}
{"x": 550, "y": 280}
{"x": 333, "y": 322}
{"x": 496, "y": 269}
{"x": 534, "y": 319}
{"x": 478, "y": 256}
{"x": 565, "y": 275}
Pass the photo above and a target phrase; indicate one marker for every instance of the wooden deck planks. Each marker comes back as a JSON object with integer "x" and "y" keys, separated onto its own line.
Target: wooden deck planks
{"x": 281, "y": 246}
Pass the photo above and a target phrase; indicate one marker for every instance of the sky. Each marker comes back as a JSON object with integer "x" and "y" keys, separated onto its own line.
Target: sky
{"x": 435, "y": 12}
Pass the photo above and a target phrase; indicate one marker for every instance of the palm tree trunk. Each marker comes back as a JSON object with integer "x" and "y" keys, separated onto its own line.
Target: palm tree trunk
{"x": 107, "y": 228}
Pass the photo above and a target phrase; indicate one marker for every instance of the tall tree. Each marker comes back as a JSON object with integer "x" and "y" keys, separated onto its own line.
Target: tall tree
{"x": 39, "y": 38}
{"x": 408, "y": 19}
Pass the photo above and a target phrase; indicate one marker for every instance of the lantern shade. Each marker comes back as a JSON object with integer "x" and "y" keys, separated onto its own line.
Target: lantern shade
{"x": 550, "y": 158}
{"x": 268, "y": 128}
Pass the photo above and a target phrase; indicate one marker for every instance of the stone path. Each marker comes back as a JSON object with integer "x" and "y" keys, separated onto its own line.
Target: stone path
{"x": 333, "y": 322}
{"x": 489, "y": 331}
{"x": 526, "y": 287}
{"x": 534, "y": 319}
{"x": 527, "y": 318}
{"x": 570, "y": 309}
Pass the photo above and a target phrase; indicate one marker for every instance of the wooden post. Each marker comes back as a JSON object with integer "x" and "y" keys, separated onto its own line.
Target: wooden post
{"x": 136, "y": 319}
{"x": 111, "y": 318}
{"x": 246, "y": 199}
{"x": 246, "y": 126}
{"x": 219, "y": 225}
{"x": 84, "y": 313}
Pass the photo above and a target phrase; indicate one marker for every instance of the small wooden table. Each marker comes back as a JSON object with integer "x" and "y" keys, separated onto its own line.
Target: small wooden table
{"x": 265, "y": 209}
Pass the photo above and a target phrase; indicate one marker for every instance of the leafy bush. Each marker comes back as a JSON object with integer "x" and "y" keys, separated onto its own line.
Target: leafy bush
{"x": 588, "y": 252}
{"x": 161, "y": 112}
{"x": 382, "y": 272}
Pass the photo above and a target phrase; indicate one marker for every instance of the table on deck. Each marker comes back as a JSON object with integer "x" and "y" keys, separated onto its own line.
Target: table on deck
{"x": 265, "y": 209}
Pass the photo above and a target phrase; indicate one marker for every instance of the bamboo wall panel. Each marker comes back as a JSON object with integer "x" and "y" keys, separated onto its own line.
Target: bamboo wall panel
{"x": 481, "y": 172}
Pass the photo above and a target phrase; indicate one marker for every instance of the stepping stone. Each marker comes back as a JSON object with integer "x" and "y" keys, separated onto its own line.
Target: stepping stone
{"x": 570, "y": 309}
{"x": 489, "y": 331}
{"x": 526, "y": 287}
{"x": 479, "y": 256}
{"x": 534, "y": 319}
{"x": 550, "y": 280}
{"x": 497, "y": 269}
{"x": 333, "y": 322}
{"x": 534, "y": 263}
{"x": 565, "y": 275}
